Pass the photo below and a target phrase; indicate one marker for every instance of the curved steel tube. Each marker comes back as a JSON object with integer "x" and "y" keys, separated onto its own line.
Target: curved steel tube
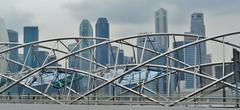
{"x": 106, "y": 42}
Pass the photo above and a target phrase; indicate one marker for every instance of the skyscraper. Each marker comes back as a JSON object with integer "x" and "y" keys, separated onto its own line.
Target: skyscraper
{"x": 74, "y": 61}
{"x": 180, "y": 77}
{"x": 102, "y": 31}
{"x": 161, "y": 26}
{"x": 197, "y": 24}
{"x": 191, "y": 54}
{"x": 158, "y": 43}
{"x": 148, "y": 43}
{"x": 102, "y": 51}
{"x": 41, "y": 57}
{"x": 218, "y": 72}
{"x": 3, "y": 38}
{"x": 198, "y": 28}
{"x": 13, "y": 55}
{"x": 116, "y": 52}
{"x": 180, "y": 56}
{"x": 86, "y": 30}
{"x": 30, "y": 35}
{"x": 195, "y": 54}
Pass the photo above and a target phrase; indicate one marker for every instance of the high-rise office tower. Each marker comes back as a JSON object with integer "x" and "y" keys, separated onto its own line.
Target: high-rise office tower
{"x": 102, "y": 31}
{"x": 207, "y": 70}
{"x": 144, "y": 55}
{"x": 197, "y": 24}
{"x": 196, "y": 54}
{"x": 13, "y": 55}
{"x": 217, "y": 71}
{"x": 198, "y": 28}
{"x": 30, "y": 35}
{"x": 179, "y": 55}
{"x": 161, "y": 26}
{"x": 74, "y": 60}
{"x": 158, "y": 43}
{"x": 116, "y": 52}
{"x": 41, "y": 58}
{"x": 102, "y": 51}
{"x": 191, "y": 54}
{"x": 86, "y": 30}
{"x": 3, "y": 38}
{"x": 148, "y": 43}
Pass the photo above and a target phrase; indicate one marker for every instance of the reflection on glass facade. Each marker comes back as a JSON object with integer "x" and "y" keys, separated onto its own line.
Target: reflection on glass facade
{"x": 102, "y": 31}
{"x": 116, "y": 52}
{"x": 30, "y": 35}
{"x": 195, "y": 54}
{"x": 13, "y": 55}
{"x": 86, "y": 30}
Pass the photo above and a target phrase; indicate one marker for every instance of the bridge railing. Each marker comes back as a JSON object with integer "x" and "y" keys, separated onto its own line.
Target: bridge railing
{"x": 120, "y": 100}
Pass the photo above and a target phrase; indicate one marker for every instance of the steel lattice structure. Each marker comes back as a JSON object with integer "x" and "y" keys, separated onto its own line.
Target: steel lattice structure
{"x": 135, "y": 83}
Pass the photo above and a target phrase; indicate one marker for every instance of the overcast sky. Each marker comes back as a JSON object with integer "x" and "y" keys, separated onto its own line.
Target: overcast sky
{"x": 60, "y": 18}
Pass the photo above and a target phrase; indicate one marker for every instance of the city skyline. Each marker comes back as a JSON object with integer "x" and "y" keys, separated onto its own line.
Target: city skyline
{"x": 120, "y": 53}
{"x": 125, "y": 19}
{"x": 19, "y": 15}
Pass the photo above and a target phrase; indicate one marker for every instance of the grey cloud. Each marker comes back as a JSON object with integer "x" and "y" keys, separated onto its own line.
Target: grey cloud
{"x": 210, "y": 5}
{"x": 137, "y": 13}
{"x": 121, "y": 11}
{"x": 15, "y": 16}
{"x": 142, "y": 11}
{"x": 17, "y": 19}
{"x": 180, "y": 14}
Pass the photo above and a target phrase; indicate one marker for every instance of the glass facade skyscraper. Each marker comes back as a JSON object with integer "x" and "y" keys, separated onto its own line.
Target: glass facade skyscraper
{"x": 198, "y": 28}
{"x": 158, "y": 43}
{"x": 180, "y": 77}
{"x": 180, "y": 56}
{"x": 13, "y": 55}
{"x": 161, "y": 43}
{"x": 191, "y": 54}
{"x": 86, "y": 30}
{"x": 144, "y": 55}
{"x": 102, "y": 31}
{"x": 30, "y": 35}
{"x": 161, "y": 26}
{"x": 196, "y": 54}
{"x": 116, "y": 52}
{"x": 197, "y": 24}
{"x": 73, "y": 61}
{"x": 41, "y": 57}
